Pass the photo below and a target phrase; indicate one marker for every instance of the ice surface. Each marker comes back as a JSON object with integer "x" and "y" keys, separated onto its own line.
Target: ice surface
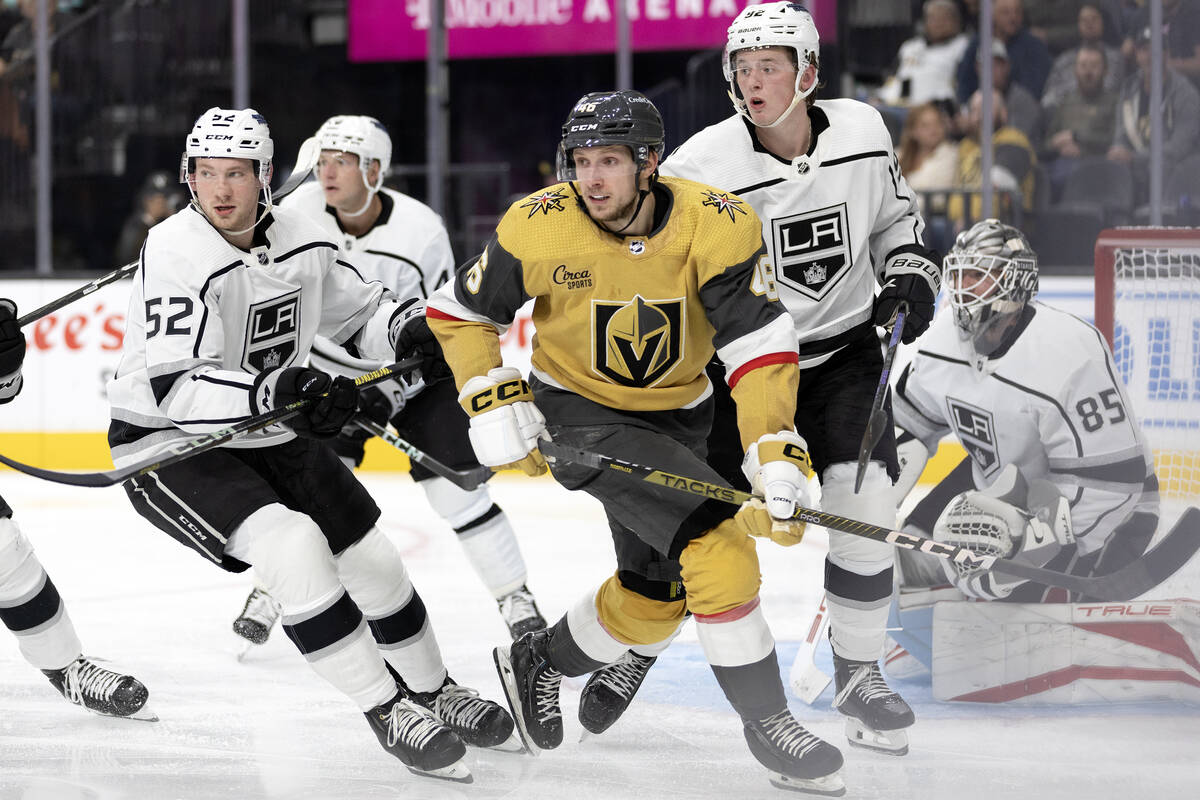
{"x": 270, "y": 728}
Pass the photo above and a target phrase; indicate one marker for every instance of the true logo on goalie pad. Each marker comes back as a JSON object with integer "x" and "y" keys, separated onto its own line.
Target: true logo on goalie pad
{"x": 271, "y": 333}
{"x": 812, "y": 251}
{"x": 977, "y": 432}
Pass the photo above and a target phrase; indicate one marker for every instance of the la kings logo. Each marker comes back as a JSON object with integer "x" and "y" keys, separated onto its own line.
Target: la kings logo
{"x": 636, "y": 343}
{"x": 812, "y": 250}
{"x": 272, "y": 328}
{"x": 977, "y": 432}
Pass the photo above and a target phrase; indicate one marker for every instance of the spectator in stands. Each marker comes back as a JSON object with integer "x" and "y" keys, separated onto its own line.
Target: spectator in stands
{"x": 1092, "y": 30}
{"x": 1081, "y": 125}
{"x": 1054, "y": 22}
{"x": 927, "y": 62}
{"x": 1180, "y": 115}
{"x": 1013, "y": 161}
{"x": 159, "y": 198}
{"x": 1024, "y": 111}
{"x": 1027, "y": 54}
{"x": 1181, "y": 29}
{"x": 929, "y": 161}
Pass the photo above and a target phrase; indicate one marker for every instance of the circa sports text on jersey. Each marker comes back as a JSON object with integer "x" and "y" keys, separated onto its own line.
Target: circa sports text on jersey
{"x": 629, "y": 322}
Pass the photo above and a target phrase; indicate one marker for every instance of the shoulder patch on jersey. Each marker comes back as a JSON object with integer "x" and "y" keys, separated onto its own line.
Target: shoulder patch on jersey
{"x": 723, "y": 203}
{"x": 547, "y": 201}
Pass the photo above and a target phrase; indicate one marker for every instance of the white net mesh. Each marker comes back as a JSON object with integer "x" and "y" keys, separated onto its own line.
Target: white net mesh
{"x": 1156, "y": 345}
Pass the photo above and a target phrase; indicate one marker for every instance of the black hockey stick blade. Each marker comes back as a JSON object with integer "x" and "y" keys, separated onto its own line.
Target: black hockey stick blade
{"x": 1130, "y": 581}
{"x": 181, "y": 450}
{"x": 82, "y": 291}
{"x": 878, "y": 420}
{"x": 467, "y": 479}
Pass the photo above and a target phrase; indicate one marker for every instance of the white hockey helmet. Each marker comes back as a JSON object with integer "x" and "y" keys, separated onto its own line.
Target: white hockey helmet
{"x": 780, "y": 24}
{"x": 230, "y": 133}
{"x": 991, "y": 273}
{"x": 365, "y": 137}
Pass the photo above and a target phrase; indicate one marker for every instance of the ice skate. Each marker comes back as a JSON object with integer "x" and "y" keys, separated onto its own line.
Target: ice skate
{"x": 610, "y": 689}
{"x": 257, "y": 618}
{"x": 87, "y": 684}
{"x": 478, "y": 722}
{"x": 875, "y": 715}
{"x": 520, "y": 613}
{"x": 531, "y": 686}
{"x": 424, "y": 745}
{"x": 798, "y": 760}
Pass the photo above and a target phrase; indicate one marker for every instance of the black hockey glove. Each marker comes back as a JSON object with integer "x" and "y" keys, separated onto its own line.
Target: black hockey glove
{"x": 333, "y": 400}
{"x": 411, "y": 336}
{"x": 380, "y": 404}
{"x": 910, "y": 276}
{"x": 12, "y": 350}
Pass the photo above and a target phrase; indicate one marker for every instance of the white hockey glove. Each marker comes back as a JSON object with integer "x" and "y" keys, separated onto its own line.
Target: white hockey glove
{"x": 778, "y": 468}
{"x": 910, "y": 276}
{"x": 505, "y": 423}
{"x": 990, "y": 523}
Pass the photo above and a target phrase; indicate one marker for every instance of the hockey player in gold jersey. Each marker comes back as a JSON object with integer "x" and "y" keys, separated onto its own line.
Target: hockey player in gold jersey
{"x": 636, "y": 281}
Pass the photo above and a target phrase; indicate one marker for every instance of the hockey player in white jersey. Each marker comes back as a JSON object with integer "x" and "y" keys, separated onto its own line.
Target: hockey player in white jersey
{"x": 838, "y": 219}
{"x": 226, "y": 303}
{"x": 1057, "y": 473}
{"x": 30, "y": 605}
{"x": 400, "y": 242}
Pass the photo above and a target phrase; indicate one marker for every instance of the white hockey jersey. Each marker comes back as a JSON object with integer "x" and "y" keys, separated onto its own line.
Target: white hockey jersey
{"x": 407, "y": 250}
{"x": 1058, "y": 412}
{"x": 830, "y": 217}
{"x": 206, "y": 317}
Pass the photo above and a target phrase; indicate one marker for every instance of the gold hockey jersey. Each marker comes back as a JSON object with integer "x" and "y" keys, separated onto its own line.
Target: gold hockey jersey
{"x": 628, "y": 322}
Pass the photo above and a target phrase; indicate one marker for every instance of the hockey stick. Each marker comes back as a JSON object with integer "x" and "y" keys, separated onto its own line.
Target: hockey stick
{"x": 178, "y": 452}
{"x": 82, "y": 291}
{"x": 462, "y": 478}
{"x": 806, "y": 678}
{"x": 879, "y": 418}
{"x": 306, "y": 159}
{"x": 1172, "y": 552}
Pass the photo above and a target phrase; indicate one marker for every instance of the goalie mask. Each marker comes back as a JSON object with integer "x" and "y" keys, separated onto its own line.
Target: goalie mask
{"x": 231, "y": 133}
{"x": 991, "y": 273}
{"x": 782, "y": 24}
{"x": 366, "y": 138}
{"x": 623, "y": 117}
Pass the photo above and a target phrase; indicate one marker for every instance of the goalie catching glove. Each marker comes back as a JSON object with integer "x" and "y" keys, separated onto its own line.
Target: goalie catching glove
{"x": 333, "y": 401}
{"x": 411, "y": 336}
{"x": 992, "y": 522}
{"x": 505, "y": 424}
{"x": 778, "y": 468}
{"x": 910, "y": 276}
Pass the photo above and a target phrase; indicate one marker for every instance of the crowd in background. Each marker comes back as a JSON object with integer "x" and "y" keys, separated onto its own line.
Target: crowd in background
{"x": 1071, "y": 86}
{"x": 1071, "y": 100}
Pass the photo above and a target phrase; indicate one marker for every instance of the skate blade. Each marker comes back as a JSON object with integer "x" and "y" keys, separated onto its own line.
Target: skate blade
{"x": 830, "y": 785}
{"x": 892, "y": 743}
{"x": 513, "y": 744}
{"x": 143, "y": 714}
{"x": 509, "y": 682}
{"x": 456, "y": 772}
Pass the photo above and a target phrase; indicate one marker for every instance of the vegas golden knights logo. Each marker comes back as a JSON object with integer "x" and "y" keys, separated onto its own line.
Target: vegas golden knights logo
{"x": 636, "y": 343}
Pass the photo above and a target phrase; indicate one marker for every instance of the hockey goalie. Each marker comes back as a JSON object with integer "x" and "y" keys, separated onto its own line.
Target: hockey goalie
{"x": 1057, "y": 475}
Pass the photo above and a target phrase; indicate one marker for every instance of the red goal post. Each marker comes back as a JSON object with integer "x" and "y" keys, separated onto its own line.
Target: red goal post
{"x": 1147, "y": 305}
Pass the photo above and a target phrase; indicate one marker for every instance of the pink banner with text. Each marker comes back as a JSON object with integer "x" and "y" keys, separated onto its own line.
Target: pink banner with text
{"x": 395, "y": 30}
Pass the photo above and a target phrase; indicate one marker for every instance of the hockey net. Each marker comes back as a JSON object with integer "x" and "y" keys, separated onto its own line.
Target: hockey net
{"x": 1148, "y": 306}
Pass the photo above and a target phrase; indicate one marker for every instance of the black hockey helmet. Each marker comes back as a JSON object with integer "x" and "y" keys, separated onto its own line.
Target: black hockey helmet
{"x": 620, "y": 117}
